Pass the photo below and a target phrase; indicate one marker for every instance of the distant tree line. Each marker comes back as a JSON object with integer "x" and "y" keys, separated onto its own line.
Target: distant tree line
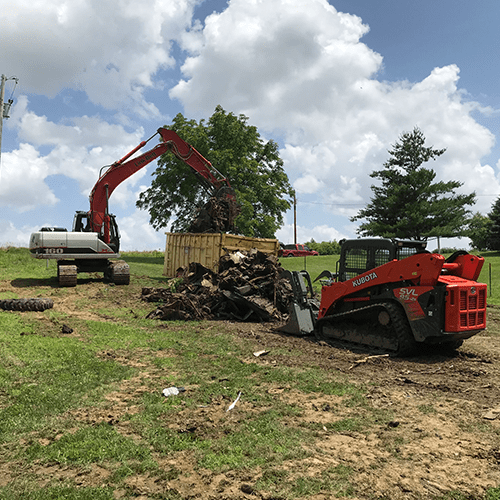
{"x": 325, "y": 247}
{"x": 484, "y": 230}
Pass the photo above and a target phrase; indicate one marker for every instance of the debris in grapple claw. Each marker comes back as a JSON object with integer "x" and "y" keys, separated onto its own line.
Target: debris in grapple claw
{"x": 216, "y": 216}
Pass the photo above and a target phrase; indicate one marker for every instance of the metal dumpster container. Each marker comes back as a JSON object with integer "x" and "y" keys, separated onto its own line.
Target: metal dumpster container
{"x": 183, "y": 248}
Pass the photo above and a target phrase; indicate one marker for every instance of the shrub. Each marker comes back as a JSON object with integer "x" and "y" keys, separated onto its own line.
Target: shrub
{"x": 325, "y": 247}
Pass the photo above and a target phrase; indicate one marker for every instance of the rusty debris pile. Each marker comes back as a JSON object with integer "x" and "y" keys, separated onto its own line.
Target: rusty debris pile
{"x": 247, "y": 287}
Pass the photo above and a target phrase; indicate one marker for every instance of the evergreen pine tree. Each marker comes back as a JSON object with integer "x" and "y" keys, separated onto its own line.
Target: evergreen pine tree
{"x": 408, "y": 203}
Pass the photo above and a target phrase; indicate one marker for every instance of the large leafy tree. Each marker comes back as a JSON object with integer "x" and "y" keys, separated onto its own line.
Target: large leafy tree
{"x": 252, "y": 166}
{"x": 408, "y": 203}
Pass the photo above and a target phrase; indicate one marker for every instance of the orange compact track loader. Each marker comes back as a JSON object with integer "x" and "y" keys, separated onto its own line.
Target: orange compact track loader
{"x": 392, "y": 295}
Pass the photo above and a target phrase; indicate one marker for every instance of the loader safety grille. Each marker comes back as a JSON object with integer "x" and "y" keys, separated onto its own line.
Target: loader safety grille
{"x": 359, "y": 260}
{"x": 465, "y": 304}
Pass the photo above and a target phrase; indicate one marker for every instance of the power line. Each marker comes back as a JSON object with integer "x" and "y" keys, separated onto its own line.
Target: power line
{"x": 333, "y": 204}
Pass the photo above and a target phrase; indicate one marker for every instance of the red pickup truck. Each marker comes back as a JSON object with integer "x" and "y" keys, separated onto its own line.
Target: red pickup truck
{"x": 296, "y": 251}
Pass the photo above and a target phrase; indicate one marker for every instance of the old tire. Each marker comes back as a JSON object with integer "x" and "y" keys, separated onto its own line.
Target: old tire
{"x": 26, "y": 304}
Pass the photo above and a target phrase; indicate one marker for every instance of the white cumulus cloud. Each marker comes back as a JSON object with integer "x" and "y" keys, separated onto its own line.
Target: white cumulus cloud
{"x": 299, "y": 69}
{"x": 111, "y": 50}
{"x": 77, "y": 149}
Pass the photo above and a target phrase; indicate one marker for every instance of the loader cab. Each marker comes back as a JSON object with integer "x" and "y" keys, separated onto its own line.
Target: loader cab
{"x": 405, "y": 248}
{"x": 361, "y": 255}
{"x": 81, "y": 223}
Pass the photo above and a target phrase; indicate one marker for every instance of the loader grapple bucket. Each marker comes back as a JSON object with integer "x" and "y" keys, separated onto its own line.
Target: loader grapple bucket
{"x": 304, "y": 308}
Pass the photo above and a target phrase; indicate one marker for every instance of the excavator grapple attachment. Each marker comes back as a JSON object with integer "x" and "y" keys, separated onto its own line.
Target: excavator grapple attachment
{"x": 218, "y": 214}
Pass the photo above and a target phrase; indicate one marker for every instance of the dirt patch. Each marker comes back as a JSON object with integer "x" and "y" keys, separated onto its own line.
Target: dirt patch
{"x": 441, "y": 413}
{"x": 82, "y": 302}
{"x": 439, "y": 407}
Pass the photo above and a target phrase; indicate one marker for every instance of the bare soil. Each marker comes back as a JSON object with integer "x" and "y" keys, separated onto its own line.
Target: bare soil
{"x": 443, "y": 434}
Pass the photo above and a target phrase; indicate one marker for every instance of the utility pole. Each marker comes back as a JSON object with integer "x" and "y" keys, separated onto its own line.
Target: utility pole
{"x": 294, "y": 218}
{"x": 4, "y": 106}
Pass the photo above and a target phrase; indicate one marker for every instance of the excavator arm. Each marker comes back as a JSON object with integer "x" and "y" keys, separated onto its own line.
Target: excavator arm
{"x": 125, "y": 167}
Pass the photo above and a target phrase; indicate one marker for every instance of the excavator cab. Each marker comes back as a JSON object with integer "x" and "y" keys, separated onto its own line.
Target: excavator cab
{"x": 82, "y": 224}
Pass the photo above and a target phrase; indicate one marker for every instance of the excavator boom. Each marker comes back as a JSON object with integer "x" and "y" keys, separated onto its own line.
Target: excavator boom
{"x": 124, "y": 168}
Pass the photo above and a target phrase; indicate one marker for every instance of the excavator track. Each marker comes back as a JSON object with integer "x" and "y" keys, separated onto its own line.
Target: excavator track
{"x": 67, "y": 274}
{"x": 118, "y": 272}
{"x": 382, "y": 326}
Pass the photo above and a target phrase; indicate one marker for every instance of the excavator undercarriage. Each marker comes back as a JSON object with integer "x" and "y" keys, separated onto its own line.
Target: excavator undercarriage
{"x": 115, "y": 271}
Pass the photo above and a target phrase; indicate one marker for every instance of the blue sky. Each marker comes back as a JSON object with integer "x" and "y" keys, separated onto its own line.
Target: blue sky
{"x": 334, "y": 83}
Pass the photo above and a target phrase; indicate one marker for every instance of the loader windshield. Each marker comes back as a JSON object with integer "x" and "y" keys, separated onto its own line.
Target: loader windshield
{"x": 359, "y": 256}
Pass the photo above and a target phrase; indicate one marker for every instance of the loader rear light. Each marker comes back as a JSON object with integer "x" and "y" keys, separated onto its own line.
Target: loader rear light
{"x": 466, "y": 304}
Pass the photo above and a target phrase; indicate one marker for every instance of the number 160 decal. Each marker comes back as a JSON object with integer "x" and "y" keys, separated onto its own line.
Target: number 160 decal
{"x": 54, "y": 250}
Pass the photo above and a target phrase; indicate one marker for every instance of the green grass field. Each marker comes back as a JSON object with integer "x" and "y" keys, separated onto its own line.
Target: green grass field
{"x": 47, "y": 380}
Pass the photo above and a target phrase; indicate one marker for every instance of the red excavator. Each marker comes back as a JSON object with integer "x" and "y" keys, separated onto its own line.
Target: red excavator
{"x": 393, "y": 295}
{"x": 95, "y": 238}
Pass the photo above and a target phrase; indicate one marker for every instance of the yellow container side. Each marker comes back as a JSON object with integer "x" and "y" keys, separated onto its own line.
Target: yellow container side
{"x": 183, "y": 248}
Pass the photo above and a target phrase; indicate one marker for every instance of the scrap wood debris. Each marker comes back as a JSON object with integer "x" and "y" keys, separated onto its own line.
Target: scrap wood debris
{"x": 368, "y": 358}
{"x": 247, "y": 287}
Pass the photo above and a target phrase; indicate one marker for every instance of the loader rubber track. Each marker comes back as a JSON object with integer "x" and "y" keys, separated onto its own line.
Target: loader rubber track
{"x": 26, "y": 304}
{"x": 382, "y": 326}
